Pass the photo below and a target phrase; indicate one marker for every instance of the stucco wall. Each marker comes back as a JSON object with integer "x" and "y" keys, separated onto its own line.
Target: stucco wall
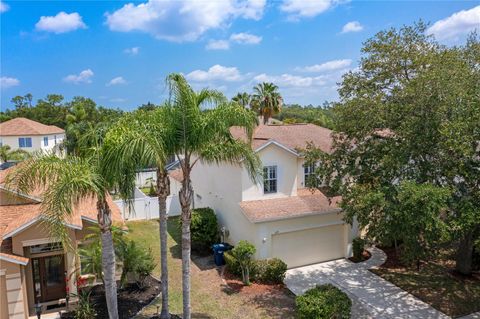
{"x": 37, "y": 141}
{"x": 220, "y": 187}
{"x": 12, "y": 285}
{"x": 286, "y": 163}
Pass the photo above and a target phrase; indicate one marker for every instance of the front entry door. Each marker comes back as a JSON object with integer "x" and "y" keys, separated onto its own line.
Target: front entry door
{"x": 49, "y": 278}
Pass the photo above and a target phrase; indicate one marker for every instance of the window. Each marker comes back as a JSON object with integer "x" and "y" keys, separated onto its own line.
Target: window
{"x": 45, "y": 248}
{"x": 269, "y": 179}
{"x": 25, "y": 142}
{"x": 308, "y": 170}
{"x": 45, "y": 141}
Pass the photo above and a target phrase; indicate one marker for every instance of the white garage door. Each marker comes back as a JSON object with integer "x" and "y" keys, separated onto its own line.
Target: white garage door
{"x": 304, "y": 247}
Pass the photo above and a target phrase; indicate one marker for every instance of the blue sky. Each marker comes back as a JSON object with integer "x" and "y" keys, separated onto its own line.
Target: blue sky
{"x": 119, "y": 53}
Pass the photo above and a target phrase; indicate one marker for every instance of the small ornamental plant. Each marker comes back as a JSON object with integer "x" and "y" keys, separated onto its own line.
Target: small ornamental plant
{"x": 243, "y": 254}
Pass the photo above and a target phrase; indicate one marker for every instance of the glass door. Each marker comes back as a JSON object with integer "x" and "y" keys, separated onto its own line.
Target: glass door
{"x": 49, "y": 278}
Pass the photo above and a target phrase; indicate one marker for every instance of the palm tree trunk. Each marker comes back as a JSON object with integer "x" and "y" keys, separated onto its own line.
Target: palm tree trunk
{"x": 108, "y": 258}
{"x": 163, "y": 190}
{"x": 185, "y": 196}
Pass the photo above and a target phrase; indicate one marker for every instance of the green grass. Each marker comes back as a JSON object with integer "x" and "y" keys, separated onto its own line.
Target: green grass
{"x": 435, "y": 285}
{"x": 208, "y": 297}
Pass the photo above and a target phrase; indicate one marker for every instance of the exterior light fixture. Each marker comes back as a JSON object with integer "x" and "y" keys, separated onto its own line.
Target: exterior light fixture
{"x": 38, "y": 310}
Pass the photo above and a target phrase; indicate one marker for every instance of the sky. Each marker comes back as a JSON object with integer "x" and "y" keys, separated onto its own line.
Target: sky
{"x": 119, "y": 53}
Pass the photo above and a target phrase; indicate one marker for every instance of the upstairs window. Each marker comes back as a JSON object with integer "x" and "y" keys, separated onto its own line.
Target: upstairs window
{"x": 24, "y": 142}
{"x": 308, "y": 171}
{"x": 269, "y": 179}
{"x": 45, "y": 141}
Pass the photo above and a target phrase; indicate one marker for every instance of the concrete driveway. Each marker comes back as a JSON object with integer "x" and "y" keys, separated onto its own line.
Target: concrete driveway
{"x": 372, "y": 296}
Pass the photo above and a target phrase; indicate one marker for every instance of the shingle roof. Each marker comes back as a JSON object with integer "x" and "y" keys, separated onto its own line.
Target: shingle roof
{"x": 22, "y": 126}
{"x": 16, "y": 216}
{"x": 292, "y": 136}
{"x": 304, "y": 204}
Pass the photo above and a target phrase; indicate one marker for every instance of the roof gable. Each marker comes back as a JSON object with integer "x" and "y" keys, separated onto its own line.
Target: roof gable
{"x": 21, "y": 126}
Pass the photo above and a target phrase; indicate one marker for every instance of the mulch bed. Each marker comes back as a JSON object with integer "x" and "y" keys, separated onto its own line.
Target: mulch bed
{"x": 365, "y": 256}
{"x": 131, "y": 299}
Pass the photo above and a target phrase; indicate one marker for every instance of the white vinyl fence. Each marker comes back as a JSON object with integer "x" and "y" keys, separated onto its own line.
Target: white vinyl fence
{"x": 144, "y": 207}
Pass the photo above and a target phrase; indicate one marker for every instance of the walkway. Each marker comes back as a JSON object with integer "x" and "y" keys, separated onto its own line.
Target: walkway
{"x": 372, "y": 296}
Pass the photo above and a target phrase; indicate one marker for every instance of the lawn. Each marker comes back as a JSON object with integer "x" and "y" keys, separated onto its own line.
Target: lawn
{"x": 437, "y": 285}
{"x": 210, "y": 296}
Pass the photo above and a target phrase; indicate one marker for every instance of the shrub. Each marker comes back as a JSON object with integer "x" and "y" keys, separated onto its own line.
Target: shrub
{"x": 325, "y": 301}
{"x": 243, "y": 254}
{"x": 136, "y": 261}
{"x": 204, "y": 228}
{"x": 358, "y": 245}
{"x": 270, "y": 271}
{"x": 232, "y": 264}
{"x": 84, "y": 309}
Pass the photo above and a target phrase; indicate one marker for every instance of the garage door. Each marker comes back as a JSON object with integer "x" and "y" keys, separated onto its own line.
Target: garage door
{"x": 304, "y": 247}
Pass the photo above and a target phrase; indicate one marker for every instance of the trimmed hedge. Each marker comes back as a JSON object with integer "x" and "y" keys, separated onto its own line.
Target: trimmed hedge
{"x": 268, "y": 271}
{"x": 358, "y": 245}
{"x": 325, "y": 301}
{"x": 204, "y": 229}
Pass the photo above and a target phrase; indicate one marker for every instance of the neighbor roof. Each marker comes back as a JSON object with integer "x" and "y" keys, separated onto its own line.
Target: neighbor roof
{"x": 304, "y": 204}
{"x": 22, "y": 126}
{"x": 292, "y": 136}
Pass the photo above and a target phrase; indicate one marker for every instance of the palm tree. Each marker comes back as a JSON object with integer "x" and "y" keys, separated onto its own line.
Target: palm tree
{"x": 67, "y": 181}
{"x": 242, "y": 99}
{"x": 141, "y": 137}
{"x": 204, "y": 134}
{"x": 266, "y": 100}
{"x": 6, "y": 154}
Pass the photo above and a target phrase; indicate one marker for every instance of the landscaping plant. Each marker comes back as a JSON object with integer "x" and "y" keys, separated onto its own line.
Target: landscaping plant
{"x": 243, "y": 254}
{"x": 323, "y": 302}
{"x": 204, "y": 228}
{"x": 358, "y": 245}
{"x": 84, "y": 309}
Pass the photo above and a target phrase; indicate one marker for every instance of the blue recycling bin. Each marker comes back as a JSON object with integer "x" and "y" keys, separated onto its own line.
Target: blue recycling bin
{"x": 218, "y": 250}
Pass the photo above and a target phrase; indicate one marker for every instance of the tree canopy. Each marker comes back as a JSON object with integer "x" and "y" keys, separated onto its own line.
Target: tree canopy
{"x": 409, "y": 114}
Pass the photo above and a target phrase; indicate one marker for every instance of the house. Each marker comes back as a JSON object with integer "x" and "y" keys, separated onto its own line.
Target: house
{"x": 277, "y": 214}
{"x": 28, "y": 135}
{"x": 35, "y": 268}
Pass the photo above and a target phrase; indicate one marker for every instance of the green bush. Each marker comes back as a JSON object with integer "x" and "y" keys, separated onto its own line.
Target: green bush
{"x": 271, "y": 272}
{"x": 358, "y": 245}
{"x": 325, "y": 301}
{"x": 243, "y": 254}
{"x": 137, "y": 261}
{"x": 84, "y": 309}
{"x": 268, "y": 271}
{"x": 204, "y": 229}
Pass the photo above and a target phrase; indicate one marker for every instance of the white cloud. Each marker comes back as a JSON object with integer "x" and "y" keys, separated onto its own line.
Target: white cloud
{"x": 245, "y": 38}
{"x": 4, "y": 7}
{"x": 83, "y": 77}
{"x": 61, "y": 23}
{"x": 7, "y": 82}
{"x": 132, "y": 51}
{"x": 218, "y": 45}
{"x": 307, "y": 8}
{"x": 216, "y": 73}
{"x": 181, "y": 20}
{"x": 327, "y": 66}
{"x": 456, "y": 25}
{"x": 352, "y": 26}
{"x": 118, "y": 100}
{"x": 116, "y": 81}
{"x": 289, "y": 80}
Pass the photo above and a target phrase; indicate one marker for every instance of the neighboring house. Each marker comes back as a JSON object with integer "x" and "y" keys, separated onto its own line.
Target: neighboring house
{"x": 34, "y": 267}
{"x": 28, "y": 135}
{"x": 277, "y": 214}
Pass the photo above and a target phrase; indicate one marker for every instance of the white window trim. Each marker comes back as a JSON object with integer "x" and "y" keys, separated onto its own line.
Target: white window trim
{"x": 268, "y": 179}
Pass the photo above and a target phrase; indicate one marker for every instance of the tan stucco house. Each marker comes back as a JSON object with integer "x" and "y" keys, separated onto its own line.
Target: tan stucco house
{"x": 34, "y": 267}
{"x": 277, "y": 214}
